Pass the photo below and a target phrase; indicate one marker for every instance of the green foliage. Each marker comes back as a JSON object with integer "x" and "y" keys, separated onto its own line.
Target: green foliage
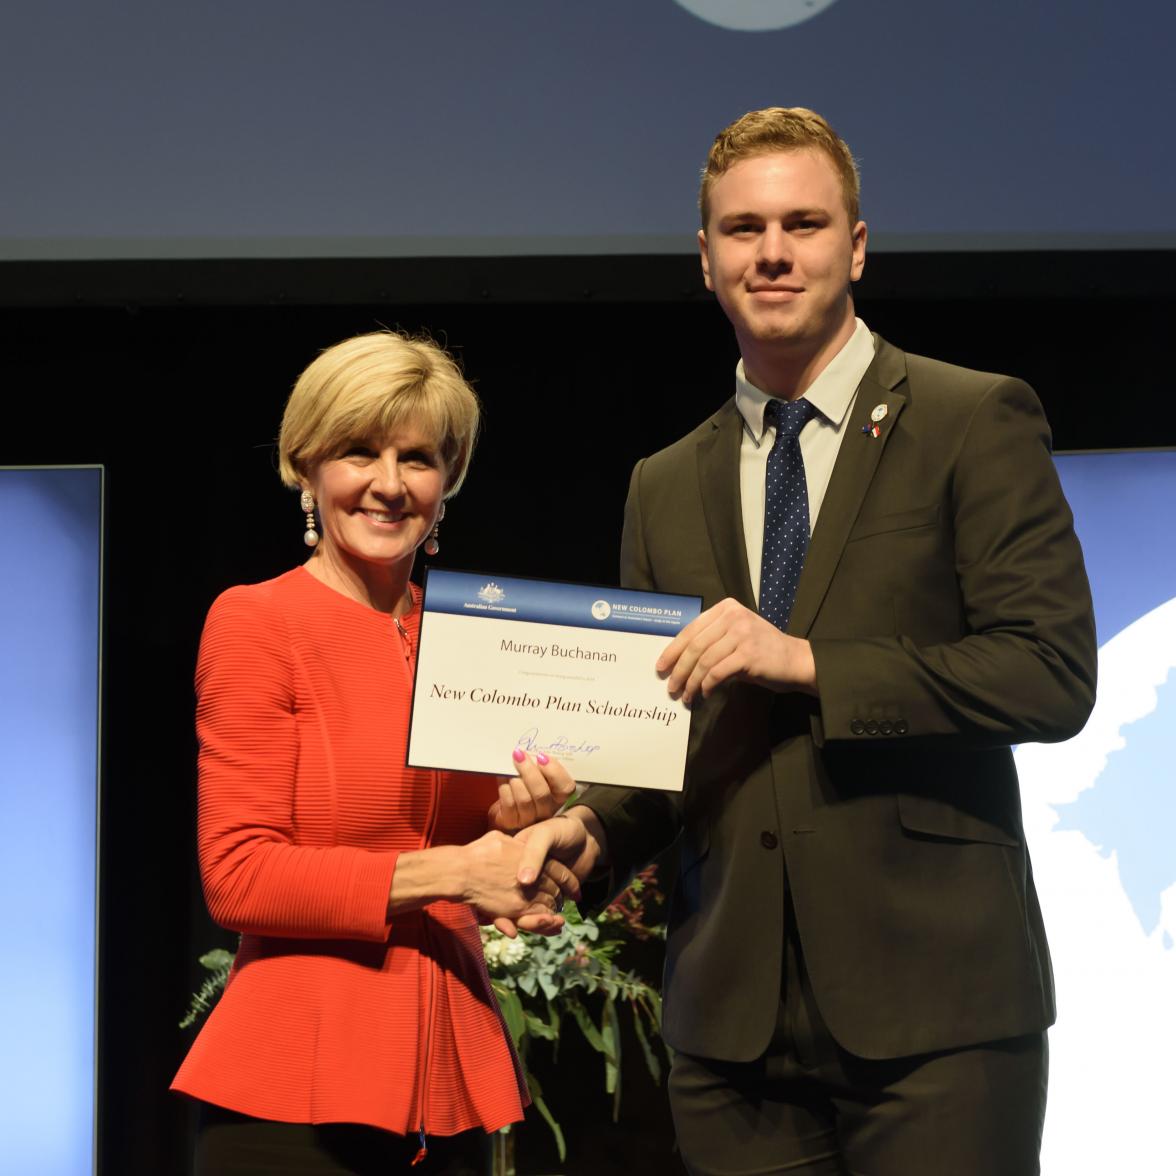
{"x": 539, "y": 980}
{"x": 218, "y": 962}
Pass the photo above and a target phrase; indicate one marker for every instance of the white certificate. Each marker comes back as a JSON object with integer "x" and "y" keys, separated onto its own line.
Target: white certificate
{"x": 566, "y": 669}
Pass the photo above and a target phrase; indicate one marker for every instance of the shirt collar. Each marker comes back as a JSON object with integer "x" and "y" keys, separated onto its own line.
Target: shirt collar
{"x": 831, "y": 393}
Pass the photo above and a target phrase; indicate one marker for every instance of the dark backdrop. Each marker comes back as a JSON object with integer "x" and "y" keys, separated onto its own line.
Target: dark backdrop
{"x": 174, "y": 376}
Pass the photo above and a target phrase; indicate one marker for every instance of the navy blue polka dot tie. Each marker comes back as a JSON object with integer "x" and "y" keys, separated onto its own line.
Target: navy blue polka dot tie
{"x": 786, "y": 512}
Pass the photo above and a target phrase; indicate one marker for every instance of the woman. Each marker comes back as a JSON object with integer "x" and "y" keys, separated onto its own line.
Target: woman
{"x": 359, "y": 995}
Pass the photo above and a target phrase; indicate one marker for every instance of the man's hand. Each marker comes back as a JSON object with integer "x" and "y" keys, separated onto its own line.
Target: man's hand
{"x": 574, "y": 840}
{"x": 730, "y": 642}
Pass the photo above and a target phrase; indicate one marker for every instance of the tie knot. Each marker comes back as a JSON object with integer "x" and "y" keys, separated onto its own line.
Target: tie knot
{"x": 789, "y": 416}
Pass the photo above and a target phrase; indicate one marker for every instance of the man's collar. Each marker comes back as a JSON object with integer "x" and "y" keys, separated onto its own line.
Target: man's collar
{"x": 831, "y": 393}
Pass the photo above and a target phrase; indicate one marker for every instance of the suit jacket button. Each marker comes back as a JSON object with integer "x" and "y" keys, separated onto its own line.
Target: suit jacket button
{"x": 857, "y": 726}
{"x": 871, "y": 727}
{"x": 886, "y": 727}
{"x": 768, "y": 839}
{"x": 900, "y": 727}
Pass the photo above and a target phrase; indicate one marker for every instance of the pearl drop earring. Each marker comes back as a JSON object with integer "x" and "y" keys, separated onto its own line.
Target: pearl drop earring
{"x": 311, "y": 537}
{"x": 433, "y": 544}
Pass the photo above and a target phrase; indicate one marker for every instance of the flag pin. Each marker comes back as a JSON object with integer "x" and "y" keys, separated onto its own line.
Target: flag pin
{"x": 877, "y": 414}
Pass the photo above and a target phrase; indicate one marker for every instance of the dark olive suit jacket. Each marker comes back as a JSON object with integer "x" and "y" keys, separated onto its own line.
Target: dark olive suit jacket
{"x": 946, "y": 601}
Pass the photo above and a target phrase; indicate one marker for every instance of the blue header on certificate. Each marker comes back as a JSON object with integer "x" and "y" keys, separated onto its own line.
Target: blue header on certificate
{"x": 548, "y": 602}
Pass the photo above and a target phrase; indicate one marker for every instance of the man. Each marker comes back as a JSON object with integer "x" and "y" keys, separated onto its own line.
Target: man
{"x": 857, "y": 978}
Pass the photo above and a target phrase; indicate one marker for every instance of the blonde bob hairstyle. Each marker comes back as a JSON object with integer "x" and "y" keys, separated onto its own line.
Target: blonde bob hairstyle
{"x": 780, "y": 128}
{"x": 367, "y": 388}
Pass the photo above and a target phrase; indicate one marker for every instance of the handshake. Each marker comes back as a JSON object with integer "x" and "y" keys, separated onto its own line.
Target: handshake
{"x": 517, "y": 875}
{"x": 531, "y": 860}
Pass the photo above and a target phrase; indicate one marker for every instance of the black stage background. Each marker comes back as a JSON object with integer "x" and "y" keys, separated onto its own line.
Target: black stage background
{"x": 173, "y": 375}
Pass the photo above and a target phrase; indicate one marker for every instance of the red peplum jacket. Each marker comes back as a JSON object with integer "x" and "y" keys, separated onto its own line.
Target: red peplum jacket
{"x": 331, "y": 1013}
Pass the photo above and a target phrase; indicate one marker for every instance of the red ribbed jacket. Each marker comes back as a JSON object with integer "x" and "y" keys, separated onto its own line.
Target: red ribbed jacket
{"x": 332, "y": 1014}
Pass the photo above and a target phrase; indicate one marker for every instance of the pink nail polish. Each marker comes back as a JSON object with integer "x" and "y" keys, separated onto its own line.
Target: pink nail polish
{"x": 542, "y": 759}
{"x": 518, "y": 755}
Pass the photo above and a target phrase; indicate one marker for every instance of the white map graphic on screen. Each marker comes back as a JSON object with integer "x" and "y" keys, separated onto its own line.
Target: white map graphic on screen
{"x": 1137, "y": 780}
{"x": 1100, "y": 817}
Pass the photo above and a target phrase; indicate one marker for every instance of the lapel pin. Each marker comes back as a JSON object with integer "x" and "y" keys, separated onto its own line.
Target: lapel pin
{"x": 877, "y": 415}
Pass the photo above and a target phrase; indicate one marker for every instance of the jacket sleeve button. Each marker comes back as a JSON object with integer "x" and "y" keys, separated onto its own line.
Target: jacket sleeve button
{"x": 857, "y": 727}
{"x": 886, "y": 727}
{"x": 901, "y": 727}
{"x": 871, "y": 727}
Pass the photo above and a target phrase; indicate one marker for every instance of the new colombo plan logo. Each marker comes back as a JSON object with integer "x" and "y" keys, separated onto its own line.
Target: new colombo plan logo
{"x": 754, "y": 16}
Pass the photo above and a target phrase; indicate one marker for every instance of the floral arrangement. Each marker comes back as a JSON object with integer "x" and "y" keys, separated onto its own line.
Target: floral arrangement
{"x": 539, "y": 979}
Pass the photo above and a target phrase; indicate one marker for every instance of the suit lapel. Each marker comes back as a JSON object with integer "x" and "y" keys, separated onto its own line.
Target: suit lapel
{"x": 718, "y": 476}
{"x": 857, "y": 459}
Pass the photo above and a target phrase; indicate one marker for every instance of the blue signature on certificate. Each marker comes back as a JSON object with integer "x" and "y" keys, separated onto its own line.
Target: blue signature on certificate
{"x": 530, "y": 740}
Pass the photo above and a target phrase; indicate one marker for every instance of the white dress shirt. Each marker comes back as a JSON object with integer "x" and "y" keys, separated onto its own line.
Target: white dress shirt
{"x": 832, "y": 394}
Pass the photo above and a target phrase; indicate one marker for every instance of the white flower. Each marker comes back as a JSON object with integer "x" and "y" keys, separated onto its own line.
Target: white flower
{"x": 492, "y": 949}
{"x": 501, "y": 952}
{"x": 512, "y": 951}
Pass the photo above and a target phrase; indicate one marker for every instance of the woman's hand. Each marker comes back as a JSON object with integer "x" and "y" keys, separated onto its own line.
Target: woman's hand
{"x": 535, "y": 794}
{"x": 490, "y": 884}
{"x": 485, "y": 875}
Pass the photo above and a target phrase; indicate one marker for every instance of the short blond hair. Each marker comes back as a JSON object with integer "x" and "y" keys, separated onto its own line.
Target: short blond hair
{"x": 368, "y": 387}
{"x": 780, "y": 128}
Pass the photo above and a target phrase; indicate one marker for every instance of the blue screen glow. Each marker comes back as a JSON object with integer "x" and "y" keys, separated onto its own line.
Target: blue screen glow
{"x": 49, "y": 651}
